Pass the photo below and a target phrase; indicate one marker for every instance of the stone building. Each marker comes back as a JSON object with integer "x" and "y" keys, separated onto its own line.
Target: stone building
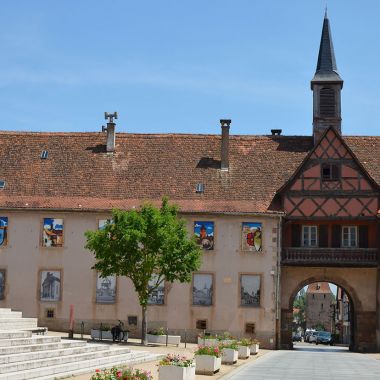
{"x": 301, "y": 207}
{"x": 319, "y": 303}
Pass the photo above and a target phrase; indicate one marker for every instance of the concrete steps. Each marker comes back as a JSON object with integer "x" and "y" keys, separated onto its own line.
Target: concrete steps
{"x": 27, "y": 356}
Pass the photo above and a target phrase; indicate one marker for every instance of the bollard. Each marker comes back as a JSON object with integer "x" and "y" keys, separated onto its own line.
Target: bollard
{"x": 167, "y": 337}
{"x": 101, "y": 331}
{"x": 204, "y": 337}
{"x": 185, "y": 338}
{"x": 81, "y": 330}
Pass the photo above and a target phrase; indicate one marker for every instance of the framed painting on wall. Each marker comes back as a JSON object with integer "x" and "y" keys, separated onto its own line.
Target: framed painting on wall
{"x": 105, "y": 289}
{"x": 202, "y": 289}
{"x": 3, "y": 231}
{"x": 52, "y": 235}
{"x": 50, "y": 285}
{"x": 252, "y": 240}
{"x": 157, "y": 297}
{"x": 250, "y": 290}
{"x": 204, "y": 232}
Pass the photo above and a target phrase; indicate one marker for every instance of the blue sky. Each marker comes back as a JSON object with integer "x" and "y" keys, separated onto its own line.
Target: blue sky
{"x": 180, "y": 66}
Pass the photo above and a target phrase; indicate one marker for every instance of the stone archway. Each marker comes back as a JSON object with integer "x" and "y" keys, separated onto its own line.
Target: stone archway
{"x": 360, "y": 285}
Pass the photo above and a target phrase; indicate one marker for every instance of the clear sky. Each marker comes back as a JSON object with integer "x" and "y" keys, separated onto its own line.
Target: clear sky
{"x": 180, "y": 66}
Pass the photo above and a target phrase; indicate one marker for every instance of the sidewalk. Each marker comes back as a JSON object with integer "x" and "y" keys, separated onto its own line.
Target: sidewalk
{"x": 135, "y": 345}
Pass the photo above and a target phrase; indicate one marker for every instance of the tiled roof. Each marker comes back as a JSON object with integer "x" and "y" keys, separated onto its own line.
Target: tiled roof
{"x": 78, "y": 174}
{"x": 319, "y": 287}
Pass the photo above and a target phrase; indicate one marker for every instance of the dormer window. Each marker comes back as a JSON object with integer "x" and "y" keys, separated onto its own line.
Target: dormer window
{"x": 330, "y": 172}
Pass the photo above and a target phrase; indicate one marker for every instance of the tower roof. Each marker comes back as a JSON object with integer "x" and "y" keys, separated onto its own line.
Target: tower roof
{"x": 326, "y": 67}
{"x": 319, "y": 287}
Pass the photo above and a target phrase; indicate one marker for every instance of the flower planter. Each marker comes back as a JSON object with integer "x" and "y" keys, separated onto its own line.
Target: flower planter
{"x": 244, "y": 352}
{"x": 105, "y": 335}
{"x": 173, "y": 372}
{"x": 161, "y": 339}
{"x": 207, "y": 364}
{"x": 254, "y": 349}
{"x": 208, "y": 342}
{"x": 227, "y": 341}
{"x": 230, "y": 356}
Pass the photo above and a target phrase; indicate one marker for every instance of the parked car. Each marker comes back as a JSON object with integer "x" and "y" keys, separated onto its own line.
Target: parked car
{"x": 297, "y": 337}
{"x": 313, "y": 337}
{"x": 307, "y": 335}
{"x": 324, "y": 337}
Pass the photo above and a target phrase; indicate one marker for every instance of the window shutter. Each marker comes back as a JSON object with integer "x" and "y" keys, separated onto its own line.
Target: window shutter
{"x": 296, "y": 235}
{"x": 335, "y": 172}
{"x": 336, "y": 238}
{"x": 323, "y": 236}
{"x": 363, "y": 236}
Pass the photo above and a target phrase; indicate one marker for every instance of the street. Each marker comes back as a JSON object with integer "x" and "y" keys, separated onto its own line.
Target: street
{"x": 310, "y": 362}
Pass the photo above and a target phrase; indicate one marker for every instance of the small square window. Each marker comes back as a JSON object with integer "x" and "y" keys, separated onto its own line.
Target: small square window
{"x": 309, "y": 236}
{"x": 250, "y": 328}
{"x": 201, "y": 324}
{"x": 50, "y": 313}
{"x": 330, "y": 172}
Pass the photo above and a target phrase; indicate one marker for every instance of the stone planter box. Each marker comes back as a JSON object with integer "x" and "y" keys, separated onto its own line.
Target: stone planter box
{"x": 207, "y": 364}
{"x": 106, "y": 335}
{"x": 172, "y": 372}
{"x": 244, "y": 352}
{"x": 208, "y": 342}
{"x": 161, "y": 339}
{"x": 254, "y": 349}
{"x": 230, "y": 356}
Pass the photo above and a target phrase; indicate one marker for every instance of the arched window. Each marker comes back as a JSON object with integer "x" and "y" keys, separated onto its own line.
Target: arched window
{"x": 327, "y": 102}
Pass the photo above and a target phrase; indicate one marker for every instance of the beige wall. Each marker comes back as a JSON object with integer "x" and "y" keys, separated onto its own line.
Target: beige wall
{"x": 24, "y": 258}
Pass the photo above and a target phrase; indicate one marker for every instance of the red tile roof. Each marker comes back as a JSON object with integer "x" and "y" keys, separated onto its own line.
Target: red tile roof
{"x": 80, "y": 175}
{"x": 319, "y": 287}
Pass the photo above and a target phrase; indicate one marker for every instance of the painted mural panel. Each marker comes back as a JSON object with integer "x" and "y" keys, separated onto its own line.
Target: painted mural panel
{"x": 157, "y": 297}
{"x": 50, "y": 285}
{"x": 250, "y": 290}
{"x": 252, "y": 237}
{"x": 52, "y": 235}
{"x": 204, "y": 231}
{"x": 2, "y": 284}
{"x": 105, "y": 289}
{"x": 103, "y": 222}
{"x": 3, "y": 230}
{"x": 202, "y": 289}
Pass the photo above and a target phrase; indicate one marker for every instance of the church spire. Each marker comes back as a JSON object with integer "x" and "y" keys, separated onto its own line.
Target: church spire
{"x": 326, "y": 66}
{"x": 326, "y": 86}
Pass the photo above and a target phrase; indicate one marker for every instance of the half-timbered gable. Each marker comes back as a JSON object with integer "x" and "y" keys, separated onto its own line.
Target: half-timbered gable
{"x": 331, "y": 183}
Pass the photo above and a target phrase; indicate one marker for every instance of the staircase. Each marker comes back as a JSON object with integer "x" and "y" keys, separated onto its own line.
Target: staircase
{"x": 24, "y": 355}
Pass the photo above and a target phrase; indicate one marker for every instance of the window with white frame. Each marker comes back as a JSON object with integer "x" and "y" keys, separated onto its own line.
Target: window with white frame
{"x": 349, "y": 236}
{"x": 309, "y": 236}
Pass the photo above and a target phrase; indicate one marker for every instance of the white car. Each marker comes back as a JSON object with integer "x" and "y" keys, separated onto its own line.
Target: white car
{"x": 313, "y": 337}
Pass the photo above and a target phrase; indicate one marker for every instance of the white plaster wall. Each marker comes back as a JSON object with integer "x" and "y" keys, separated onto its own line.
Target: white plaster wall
{"x": 24, "y": 258}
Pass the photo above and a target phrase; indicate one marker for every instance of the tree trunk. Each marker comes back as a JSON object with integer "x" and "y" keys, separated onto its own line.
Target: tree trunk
{"x": 144, "y": 340}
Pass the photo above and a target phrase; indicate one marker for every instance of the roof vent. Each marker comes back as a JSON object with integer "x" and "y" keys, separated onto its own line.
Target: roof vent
{"x": 44, "y": 155}
{"x": 2, "y": 185}
{"x": 276, "y": 132}
{"x": 200, "y": 188}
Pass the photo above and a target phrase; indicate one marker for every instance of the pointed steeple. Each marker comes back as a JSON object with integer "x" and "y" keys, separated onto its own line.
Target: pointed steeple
{"x": 326, "y": 66}
{"x": 326, "y": 86}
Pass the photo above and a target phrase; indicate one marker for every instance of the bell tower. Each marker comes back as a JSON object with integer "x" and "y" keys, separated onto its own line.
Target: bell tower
{"x": 326, "y": 86}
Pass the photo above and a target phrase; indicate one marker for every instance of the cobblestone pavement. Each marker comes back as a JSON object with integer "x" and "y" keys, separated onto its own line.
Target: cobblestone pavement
{"x": 310, "y": 362}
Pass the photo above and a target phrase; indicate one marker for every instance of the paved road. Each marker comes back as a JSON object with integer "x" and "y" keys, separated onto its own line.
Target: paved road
{"x": 310, "y": 362}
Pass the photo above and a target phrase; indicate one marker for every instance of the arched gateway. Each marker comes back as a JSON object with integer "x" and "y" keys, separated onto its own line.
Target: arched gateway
{"x": 360, "y": 286}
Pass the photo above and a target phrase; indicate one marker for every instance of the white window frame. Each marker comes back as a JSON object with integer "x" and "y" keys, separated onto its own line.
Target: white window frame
{"x": 349, "y": 229}
{"x": 308, "y": 228}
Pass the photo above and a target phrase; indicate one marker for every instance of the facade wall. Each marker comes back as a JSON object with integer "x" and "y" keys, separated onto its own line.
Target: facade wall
{"x": 318, "y": 311}
{"x": 24, "y": 258}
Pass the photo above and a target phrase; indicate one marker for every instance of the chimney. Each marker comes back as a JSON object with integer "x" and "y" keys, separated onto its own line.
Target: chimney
{"x": 276, "y": 132}
{"x": 225, "y": 124}
{"x": 110, "y": 131}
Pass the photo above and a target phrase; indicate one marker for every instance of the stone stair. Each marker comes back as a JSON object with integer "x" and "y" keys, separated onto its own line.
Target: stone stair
{"x": 27, "y": 356}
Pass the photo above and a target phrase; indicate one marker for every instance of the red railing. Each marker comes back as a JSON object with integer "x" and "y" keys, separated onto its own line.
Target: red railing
{"x": 353, "y": 257}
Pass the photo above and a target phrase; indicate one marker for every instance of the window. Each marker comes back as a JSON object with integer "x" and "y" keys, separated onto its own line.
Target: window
{"x": 330, "y": 172}
{"x": 49, "y": 313}
{"x": 349, "y": 236}
{"x": 309, "y": 236}
{"x": 201, "y": 324}
{"x": 250, "y": 328}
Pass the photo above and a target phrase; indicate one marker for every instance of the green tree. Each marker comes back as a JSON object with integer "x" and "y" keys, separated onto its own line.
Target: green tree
{"x": 300, "y": 304}
{"x": 144, "y": 244}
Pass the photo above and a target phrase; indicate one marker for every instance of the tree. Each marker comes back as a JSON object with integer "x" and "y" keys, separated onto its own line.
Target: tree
{"x": 145, "y": 244}
{"x": 299, "y": 304}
